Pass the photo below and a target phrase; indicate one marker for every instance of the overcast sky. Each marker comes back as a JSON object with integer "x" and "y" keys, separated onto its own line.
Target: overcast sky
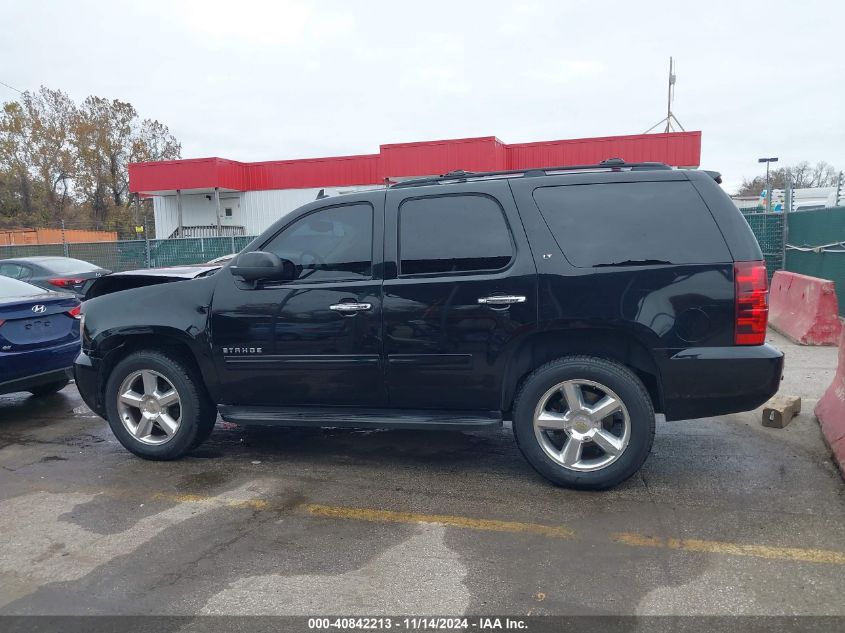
{"x": 282, "y": 79}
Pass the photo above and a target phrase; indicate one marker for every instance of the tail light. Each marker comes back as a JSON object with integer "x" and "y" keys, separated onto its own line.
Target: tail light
{"x": 751, "y": 293}
{"x": 76, "y": 312}
{"x": 66, "y": 282}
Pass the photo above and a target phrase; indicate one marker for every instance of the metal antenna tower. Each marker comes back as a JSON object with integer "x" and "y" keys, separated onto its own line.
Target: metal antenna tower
{"x": 670, "y": 120}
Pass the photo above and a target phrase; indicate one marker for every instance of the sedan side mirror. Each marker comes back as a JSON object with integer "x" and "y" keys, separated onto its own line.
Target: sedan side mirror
{"x": 263, "y": 266}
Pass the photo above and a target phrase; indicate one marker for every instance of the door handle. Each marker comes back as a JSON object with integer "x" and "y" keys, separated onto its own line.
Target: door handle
{"x": 501, "y": 300}
{"x": 350, "y": 308}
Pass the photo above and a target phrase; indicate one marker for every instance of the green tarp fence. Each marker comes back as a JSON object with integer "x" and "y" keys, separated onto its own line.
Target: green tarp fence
{"x": 814, "y": 244}
{"x": 822, "y": 231}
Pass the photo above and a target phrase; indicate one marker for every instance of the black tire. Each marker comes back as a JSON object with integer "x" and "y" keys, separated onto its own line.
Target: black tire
{"x": 198, "y": 413}
{"x": 620, "y": 380}
{"x": 49, "y": 389}
{"x": 204, "y": 432}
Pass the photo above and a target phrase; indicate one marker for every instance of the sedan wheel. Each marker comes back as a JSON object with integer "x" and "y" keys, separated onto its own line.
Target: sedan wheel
{"x": 149, "y": 407}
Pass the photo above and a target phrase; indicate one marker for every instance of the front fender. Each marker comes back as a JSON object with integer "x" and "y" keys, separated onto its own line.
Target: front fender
{"x": 154, "y": 316}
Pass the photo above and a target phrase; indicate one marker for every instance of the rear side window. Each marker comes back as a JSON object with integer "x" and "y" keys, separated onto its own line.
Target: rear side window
{"x": 453, "y": 234}
{"x": 15, "y": 271}
{"x": 638, "y": 222}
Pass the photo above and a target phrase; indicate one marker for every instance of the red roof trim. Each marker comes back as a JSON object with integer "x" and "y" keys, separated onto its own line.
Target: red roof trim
{"x": 445, "y": 141}
{"x": 680, "y": 149}
{"x": 591, "y": 139}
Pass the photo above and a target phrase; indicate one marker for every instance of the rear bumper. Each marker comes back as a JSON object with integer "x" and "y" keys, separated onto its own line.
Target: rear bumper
{"x": 20, "y": 367}
{"x": 706, "y": 381}
{"x": 36, "y": 380}
{"x": 86, "y": 374}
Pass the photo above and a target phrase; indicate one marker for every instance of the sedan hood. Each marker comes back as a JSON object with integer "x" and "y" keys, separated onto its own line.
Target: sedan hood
{"x": 129, "y": 279}
{"x": 176, "y": 272}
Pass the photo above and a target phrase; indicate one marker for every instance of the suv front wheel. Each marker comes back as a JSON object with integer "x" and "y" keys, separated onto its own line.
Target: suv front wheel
{"x": 156, "y": 406}
{"x": 584, "y": 422}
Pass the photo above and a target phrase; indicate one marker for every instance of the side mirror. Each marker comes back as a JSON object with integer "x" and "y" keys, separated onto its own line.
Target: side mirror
{"x": 263, "y": 266}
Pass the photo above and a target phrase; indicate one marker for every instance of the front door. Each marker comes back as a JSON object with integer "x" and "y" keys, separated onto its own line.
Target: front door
{"x": 460, "y": 292}
{"x": 315, "y": 340}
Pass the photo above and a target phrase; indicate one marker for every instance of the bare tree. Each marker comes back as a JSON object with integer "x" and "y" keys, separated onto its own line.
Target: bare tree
{"x": 800, "y": 175}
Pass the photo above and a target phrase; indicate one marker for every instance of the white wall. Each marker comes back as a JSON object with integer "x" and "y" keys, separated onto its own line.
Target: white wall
{"x": 812, "y": 197}
{"x": 254, "y": 210}
{"x": 197, "y": 210}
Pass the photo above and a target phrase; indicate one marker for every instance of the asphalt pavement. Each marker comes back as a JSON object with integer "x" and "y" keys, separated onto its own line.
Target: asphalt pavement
{"x": 726, "y": 517}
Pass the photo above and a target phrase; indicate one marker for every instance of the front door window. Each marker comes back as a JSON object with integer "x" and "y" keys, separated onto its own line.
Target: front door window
{"x": 334, "y": 244}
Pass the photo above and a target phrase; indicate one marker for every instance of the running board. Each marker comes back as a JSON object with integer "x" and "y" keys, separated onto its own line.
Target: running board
{"x": 359, "y": 418}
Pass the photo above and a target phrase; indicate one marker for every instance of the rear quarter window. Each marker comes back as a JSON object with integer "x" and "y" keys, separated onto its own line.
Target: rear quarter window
{"x": 631, "y": 223}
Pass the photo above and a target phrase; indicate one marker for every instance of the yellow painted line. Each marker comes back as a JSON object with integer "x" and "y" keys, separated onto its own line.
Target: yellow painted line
{"x": 391, "y": 516}
{"x": 373, "y": 515}
{"x": 254, "y": 504}
{"x": 732, "y": 549}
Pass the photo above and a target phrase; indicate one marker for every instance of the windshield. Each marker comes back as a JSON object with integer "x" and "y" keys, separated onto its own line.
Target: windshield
{"x": 10, "y": 288}
{"x": 68, "y": 265}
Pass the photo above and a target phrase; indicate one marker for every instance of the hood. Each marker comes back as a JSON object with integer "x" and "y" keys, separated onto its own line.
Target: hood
{"x": 127, "y": 280}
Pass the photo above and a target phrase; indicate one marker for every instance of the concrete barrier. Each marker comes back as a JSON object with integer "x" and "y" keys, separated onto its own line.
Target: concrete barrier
{"x": 804, "y": 309}
{"x": 830, "y": 411}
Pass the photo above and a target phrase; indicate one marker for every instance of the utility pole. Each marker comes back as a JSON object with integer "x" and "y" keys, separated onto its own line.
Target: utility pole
{"x": 147, "y": 250}
{"x": 768, "y": 161}
{"x": 64, "y": 241}
{"x": 137, "y": 207}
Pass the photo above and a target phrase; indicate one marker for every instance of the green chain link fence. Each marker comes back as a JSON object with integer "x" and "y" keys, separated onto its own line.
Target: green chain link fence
{"x": 133, "y": 254}
{"x": 768, "y": 229}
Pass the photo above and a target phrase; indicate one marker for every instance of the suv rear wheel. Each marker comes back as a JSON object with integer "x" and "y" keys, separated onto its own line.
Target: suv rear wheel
{"x": 584, "y": 422}
{"x": 156, "y": 406}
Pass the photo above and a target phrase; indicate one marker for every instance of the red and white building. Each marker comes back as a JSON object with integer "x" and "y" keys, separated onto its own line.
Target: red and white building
{"x": 216, "y": 196}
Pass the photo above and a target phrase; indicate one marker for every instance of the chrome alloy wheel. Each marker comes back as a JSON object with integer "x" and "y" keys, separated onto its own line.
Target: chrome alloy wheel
{"x": 582, "y": 425}
{"x": 149, "y": 407}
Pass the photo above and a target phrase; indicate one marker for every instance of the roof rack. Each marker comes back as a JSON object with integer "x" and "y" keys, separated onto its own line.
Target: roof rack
{"x": 611, "y": 164}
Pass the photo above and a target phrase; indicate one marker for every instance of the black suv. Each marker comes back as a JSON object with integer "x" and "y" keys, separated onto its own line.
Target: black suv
{"x": 574, "y": 301}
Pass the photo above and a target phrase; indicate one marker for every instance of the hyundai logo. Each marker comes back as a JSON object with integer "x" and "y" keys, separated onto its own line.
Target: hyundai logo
{"x": 39, "y": 309}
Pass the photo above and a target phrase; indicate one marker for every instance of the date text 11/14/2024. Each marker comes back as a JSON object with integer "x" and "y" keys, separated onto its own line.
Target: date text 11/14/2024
{"x": 417, "y": 624}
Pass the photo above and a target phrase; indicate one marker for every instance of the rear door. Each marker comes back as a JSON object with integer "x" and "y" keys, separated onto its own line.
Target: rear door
{"x": 460, "y": 288}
